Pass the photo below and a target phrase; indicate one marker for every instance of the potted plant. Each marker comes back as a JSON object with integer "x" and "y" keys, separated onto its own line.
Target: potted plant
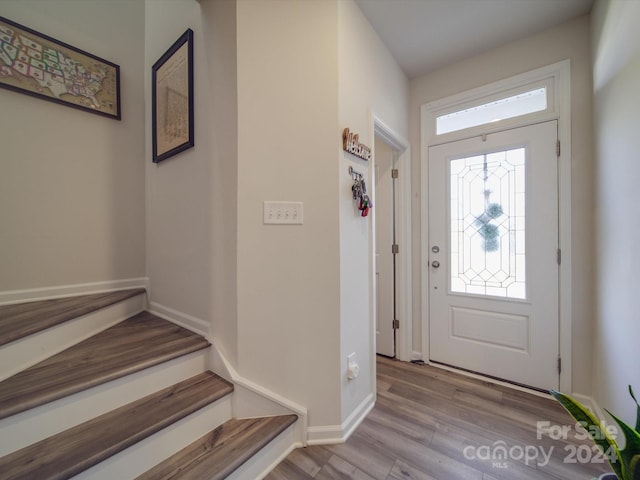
{"x": 626, "y": 462}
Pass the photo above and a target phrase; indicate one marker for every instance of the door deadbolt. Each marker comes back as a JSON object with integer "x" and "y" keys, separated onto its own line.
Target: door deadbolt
{"x": 435, "y": 264}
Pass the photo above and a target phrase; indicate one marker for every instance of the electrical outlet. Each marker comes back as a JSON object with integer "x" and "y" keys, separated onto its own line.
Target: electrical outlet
{"x": 282, "y": 213}
{"x": 353, "y": 369}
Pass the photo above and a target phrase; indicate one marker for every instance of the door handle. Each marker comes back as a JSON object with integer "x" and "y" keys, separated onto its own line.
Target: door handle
{"x": 435, "y": 264}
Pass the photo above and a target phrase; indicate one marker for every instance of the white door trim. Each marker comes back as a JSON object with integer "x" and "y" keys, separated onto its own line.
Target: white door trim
{"x": 403, "y": 262}
{"x": 561, "y": 111}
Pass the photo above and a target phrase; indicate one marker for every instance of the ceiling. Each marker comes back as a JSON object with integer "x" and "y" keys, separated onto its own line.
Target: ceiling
{"x": 424, "y": 35}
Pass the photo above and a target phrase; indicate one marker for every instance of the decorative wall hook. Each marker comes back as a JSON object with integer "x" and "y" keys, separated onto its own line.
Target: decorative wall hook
{"x": 355, "y": 174}
{"x": 359, "y": 190}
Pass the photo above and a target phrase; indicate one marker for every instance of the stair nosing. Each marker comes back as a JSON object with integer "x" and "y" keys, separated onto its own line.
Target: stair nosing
{"x": 96, "y": 381}
{"x": 68, "y": 314}
{"x": 263, "y": 443}
{"x": 16, "y": 404}
{"x": 222, "y": 389}
{"x": 208, "y": 457}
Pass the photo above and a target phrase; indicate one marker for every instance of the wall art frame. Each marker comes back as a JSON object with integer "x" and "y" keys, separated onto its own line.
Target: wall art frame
{"x": 172, "y": 108}
{"x": 38, "y": 65}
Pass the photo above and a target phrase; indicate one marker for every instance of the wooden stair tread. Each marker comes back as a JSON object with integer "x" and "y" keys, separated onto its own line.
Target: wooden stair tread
{"x": 217, "y": 454}
{"x": 79, "y": 448}
{"x": 23, "y": 319}
{"x": 139, "y": 342}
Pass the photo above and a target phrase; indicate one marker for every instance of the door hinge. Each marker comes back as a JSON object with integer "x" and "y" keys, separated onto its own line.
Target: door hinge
{"x": 395, "y": 248}
{"x": 396, "y": 324}
{"x": 559, "y": 256}
{"x": 558, "y": 148}
{"x": 559, "y": 365}
{"x": 394, "y": 173}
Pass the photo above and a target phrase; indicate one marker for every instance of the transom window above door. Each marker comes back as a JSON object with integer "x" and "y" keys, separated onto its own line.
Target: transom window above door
{"x": 506, "y": 104}
{"x": 493, "y": 111}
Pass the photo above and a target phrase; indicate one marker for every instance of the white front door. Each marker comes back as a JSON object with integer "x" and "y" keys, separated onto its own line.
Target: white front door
{"x": 493, "y": 255}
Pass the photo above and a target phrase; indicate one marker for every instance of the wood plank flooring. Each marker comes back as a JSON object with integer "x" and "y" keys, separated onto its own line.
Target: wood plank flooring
{"x": 431, "y": 424}
{"x": 220, "y": 452}
{"x": 22, "y": 319}
{"x": 73, "y": 451}
{"x": 139, "y": 342}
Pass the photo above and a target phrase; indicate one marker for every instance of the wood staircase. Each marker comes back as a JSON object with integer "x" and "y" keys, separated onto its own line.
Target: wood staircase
{"x": 109, "y": 390}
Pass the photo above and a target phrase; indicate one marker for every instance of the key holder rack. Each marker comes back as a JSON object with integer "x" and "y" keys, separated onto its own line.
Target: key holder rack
{"x": 355, "y": 174}
{"x": 359, "y": 190}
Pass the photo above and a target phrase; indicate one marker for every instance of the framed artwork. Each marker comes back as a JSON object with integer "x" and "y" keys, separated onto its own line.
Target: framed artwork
{"x": 172, "y": 99}
{"x": 38, "y": 65}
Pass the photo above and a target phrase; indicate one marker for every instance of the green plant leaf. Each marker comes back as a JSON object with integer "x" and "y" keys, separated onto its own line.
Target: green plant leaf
{"x": 638, "y": 409}
{"x": 630, "y": 455}
{"x": 599, "y": 436}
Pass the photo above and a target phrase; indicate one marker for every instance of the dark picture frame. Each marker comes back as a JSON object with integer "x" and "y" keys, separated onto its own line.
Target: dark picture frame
{"x": 172, "y": 100}
{"x": 41, "y": 66}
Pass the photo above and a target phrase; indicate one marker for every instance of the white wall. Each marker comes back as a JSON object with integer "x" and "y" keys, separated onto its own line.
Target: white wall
{"x": 72, "y": 183}
{"x": 616, "y": 52}
{"x": 191, "y": 197}
{"x": 306, "y": 70}
{"x": 370, "y": 82}
{"x": 288, "y": 144}
{"x": 567, "y": 41}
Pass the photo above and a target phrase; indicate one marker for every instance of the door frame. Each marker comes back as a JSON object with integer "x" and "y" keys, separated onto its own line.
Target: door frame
{"x": 381, "y": 130}
{"x": 558, "y": 76}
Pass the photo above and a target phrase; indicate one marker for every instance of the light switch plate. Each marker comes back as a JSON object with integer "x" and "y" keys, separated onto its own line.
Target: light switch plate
{"x": 282, "y": 213}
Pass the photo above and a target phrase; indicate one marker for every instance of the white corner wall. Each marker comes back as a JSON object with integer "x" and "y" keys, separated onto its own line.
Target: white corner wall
{"x": 288, "y": 144}
{"x": 370, "y": 82}
{"x": 307, "y": 70}
{"x": 567, "y": 41}
{"x": 302, "y": 295}
{"x": 616, "y": 70}
{"x": 72, "y": 183}
{"x": 191, "y": 197}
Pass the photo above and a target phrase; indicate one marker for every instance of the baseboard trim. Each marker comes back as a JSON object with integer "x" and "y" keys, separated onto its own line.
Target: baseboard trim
{"x": 48, "y": 293}
{"x": 325, "y": 435}
{"x": 223, "y": 367}
{"x": 334, "y": 434}
{"x": 416, "y": 355}
{"x": 189, "y": 322}
{"x": 357, "y": 416}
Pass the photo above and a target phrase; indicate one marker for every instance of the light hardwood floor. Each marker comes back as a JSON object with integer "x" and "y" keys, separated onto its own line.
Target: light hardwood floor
{"x": 431, "y": 424}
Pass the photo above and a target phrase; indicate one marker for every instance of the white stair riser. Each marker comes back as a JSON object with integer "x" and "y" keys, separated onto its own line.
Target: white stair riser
{"x": 145, "y": 454}
{"x": 41, "y": 422}
{"x": 258, "y": 466}
{"x": 28, "y": 351}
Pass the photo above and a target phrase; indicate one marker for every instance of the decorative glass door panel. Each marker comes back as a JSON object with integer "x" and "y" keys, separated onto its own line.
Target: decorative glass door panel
{"x": 487, "y": 215}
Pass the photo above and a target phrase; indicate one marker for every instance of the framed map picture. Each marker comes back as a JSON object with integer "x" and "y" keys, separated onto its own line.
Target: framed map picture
{"x": 41, "y": 66}
{"x": 172, "y": 99}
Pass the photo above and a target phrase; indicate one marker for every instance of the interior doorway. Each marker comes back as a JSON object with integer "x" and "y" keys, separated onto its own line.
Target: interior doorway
{"x": 385, "y": 177}
{"x": 391, "y": 299}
